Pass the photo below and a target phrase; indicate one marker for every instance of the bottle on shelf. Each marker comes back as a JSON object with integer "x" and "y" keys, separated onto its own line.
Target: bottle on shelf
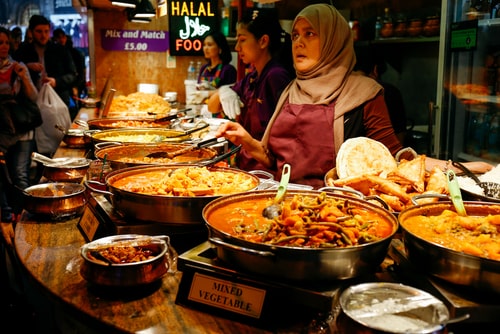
{"x": 191, "y": 71}
{"x": 378, "y": 27}
{"x": 387, "y": 15}
{"x": 197, "y": 69}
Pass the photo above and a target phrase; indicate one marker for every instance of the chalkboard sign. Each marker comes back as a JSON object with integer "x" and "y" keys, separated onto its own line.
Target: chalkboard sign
{"x": 189, "y": 22}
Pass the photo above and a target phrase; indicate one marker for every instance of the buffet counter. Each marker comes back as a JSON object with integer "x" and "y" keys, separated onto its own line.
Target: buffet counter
{"x": 49, "y": 256}
{"x": 49, "y": 253}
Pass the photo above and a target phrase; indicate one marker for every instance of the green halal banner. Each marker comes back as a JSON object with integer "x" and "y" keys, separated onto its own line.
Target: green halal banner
{"x": 189, "y": 22}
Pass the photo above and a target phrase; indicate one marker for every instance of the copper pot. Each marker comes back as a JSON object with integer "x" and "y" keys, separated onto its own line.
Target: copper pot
{"x": 98, "y": 270}
{"x": 61, "y": 171}
{"x": 75, "y": 138}
{"x": 55, "y": 201}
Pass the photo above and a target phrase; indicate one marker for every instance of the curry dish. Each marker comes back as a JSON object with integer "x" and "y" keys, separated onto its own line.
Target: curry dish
{"x": 474, "y": 235}
{"x": 305, "y": 221}
{"x": 187, "y": 181}
{"x": 123, "y": 254}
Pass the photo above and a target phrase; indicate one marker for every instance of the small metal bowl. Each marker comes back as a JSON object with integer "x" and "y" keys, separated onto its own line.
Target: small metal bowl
{"x": 99, "y": 270}
{"x": 394, "y": 308}
{"x": 55, "y": 201}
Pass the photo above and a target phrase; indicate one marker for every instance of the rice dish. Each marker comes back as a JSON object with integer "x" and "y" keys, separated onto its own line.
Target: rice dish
{"x": 468, "y": 184}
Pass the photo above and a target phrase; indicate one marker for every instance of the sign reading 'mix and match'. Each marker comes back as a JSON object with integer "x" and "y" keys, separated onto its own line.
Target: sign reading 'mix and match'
{"x": 189, "y": 22}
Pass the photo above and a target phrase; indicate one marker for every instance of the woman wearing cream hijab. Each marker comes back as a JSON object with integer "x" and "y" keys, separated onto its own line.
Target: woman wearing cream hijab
{"x": 326, "y": 104}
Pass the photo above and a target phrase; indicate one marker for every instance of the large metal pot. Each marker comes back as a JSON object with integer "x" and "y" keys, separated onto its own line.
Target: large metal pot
{"x": 131, "y": 155}
{"x": 98, "y": 269}
{"x": 145, "y": 135}
{"x": 298, "y": 263}
{"x": 452, "y": 266}
{"x": 55, "y": 201}
{"x": 126, "y": 122}
{"x": 156, "y": 208}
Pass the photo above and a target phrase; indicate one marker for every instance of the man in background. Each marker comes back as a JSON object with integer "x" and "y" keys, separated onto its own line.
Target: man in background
{"x": 47, "y": 61}
{"x": 60, "y": 37}
{"x": 371, "y": 63}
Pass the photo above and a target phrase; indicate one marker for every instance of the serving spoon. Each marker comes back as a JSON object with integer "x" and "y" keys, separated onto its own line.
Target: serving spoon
{"x": 456, "y": 195}
{"x": 274, "y": 209}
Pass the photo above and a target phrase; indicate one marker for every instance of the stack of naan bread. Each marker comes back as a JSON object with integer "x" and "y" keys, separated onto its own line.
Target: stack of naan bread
{"x": 367, "y": 165}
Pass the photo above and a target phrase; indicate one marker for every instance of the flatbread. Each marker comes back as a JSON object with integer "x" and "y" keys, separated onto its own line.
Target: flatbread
{"x": 362, "y": 155}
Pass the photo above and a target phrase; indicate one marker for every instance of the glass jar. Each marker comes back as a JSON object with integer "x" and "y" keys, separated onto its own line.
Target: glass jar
{"x": 415, "y": 28}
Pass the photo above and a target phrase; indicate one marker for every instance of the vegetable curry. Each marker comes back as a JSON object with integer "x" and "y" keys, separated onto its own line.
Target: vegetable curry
{"x": 305, "y": 221}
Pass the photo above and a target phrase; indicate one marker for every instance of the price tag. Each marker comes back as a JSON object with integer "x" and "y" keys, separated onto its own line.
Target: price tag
{"x": 88, "y": 224}
{"x": 134, "y": 40}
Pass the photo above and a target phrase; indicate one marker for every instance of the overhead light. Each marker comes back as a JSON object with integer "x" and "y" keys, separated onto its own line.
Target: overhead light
{"x": 124, "y": 3}
{"x": 144, "y": 9}
{"x": 132, "y": 18}
{"x": 140, "y": 20}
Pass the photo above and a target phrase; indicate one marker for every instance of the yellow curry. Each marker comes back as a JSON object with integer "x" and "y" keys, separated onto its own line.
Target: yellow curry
{"x": 474, "y": 235}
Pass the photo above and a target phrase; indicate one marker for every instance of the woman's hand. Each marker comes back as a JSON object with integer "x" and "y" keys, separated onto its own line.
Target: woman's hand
{"x": 51, "y": 81}
{"x": 21, "y": 70}
{"x": 234, "y": 132}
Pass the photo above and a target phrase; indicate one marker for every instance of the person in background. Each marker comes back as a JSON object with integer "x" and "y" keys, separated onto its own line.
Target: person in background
{"x": 16, "y": 38}
{"x": 15, "y": 150}
{"x": 217, "y": 71}
{"x": 47, "y": 61}
{"x": 262, "y": 45}
{"x": 371, "y": 63}
{"x": 326, "y": 104}
{"x": 60, "y": 37}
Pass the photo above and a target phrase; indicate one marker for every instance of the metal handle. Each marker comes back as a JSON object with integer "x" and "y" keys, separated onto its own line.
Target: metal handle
{"x": 222, "y": 243}
{"x": 414, "y": 199}
{"x": 90, "y": 185}
{"x": 345, "y": 190}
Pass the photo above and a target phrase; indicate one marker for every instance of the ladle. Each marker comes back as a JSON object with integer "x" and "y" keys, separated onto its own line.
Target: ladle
{"x": 274, "y": 209}
{"x": 55, "y": 162}
{"x": 456, "y": 195}
{"x": 490, "y": 189}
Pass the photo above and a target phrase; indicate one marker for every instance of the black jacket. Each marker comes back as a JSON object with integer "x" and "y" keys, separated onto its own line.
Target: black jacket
{"x": 58, "y": 64}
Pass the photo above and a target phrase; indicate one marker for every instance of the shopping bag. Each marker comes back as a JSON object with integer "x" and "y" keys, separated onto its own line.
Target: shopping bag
{"x": 54, "y": 112}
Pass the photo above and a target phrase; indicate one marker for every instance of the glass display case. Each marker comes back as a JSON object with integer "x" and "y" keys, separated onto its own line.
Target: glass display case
{"x": 469, "y": 115}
